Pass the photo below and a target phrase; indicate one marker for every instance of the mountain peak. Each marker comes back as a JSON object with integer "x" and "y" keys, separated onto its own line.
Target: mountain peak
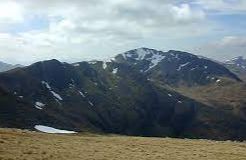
{"x": 174, "y": 66}
{"x": 140, "y": 53}
{"x": 48, "y": 62}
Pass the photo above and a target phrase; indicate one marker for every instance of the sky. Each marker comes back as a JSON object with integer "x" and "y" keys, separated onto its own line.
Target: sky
{"x": 78, "y": 30}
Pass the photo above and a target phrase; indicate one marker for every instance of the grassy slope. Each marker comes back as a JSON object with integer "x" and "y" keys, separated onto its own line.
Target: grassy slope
{"x": 19, "y": 144}
{"x": 241, "y": 73}
{"x": 227, "y": 95}
{"x": 224, "y": 112}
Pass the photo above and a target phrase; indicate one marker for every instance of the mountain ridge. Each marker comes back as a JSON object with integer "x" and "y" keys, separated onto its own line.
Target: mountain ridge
{"x": 6, "y": 67}
{"x": 116, "y": 97}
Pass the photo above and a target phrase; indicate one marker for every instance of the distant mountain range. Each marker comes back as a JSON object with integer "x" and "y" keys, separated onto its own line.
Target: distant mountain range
{"x": 238, "y": 66}
{"x": 140, "y": 92}
{"x": 6, "y": 67}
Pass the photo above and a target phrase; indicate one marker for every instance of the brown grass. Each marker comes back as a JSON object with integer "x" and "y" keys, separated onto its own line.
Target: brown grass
{"x": 26, "y": 145}
{"x": 222, "y": 94}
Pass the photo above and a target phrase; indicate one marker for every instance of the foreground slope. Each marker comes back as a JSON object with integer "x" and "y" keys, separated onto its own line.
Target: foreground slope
{"x": 19, "y": 144}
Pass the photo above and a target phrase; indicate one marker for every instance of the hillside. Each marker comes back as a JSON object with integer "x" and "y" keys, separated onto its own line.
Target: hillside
{"x": 118, "y": 96}
{"x": 227, "y": 96}
{"x": 20, "y": 144}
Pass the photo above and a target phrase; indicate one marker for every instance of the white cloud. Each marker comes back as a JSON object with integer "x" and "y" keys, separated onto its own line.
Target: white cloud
{"x": 83, "y": 29}
{"x": 223, "y": 6}
{"x": 185, "y": 13}
{"x": 80, "y": 29}
{"x": 10, "y": 12}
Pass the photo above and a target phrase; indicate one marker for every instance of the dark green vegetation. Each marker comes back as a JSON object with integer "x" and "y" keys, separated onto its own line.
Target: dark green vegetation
{"x": 137, "y": 93}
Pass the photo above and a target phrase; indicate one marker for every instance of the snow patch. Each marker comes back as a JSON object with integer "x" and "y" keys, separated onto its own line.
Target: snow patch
{"x": 104, "y": 65}
{"x": 91, "y": 103}
{"x": 57, "y": 96}
{"x": 82, "y": 94}
{"x": 192, "y": 69}
{"x": 39, "y": 105}
{"x": 92, "y": 62}
{"x": 111, "y": 59}
{"x": 218, "y": 80}
{"x": 124, "y": 55}
{"x": 71, "y": 85}
{"x": 47, "y": 129}
{"x": 182, "y": 65}
{"x": 141, "y": 53}
{"x": 177, "y": 56}
{"x": 169, "y": 95}
{"x": 115, "y": 70}
{"x": 155, "y": 60}
{"x": 46, "y": 84}
{"x": 76, "y": 65}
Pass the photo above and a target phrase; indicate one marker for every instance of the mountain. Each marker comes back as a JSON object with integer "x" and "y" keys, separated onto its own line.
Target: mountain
{"x": 5, "y": 67}
{"x": 175, "y": 67}
{"x": 238, "y": 66}
{"x": 130, "y": 94}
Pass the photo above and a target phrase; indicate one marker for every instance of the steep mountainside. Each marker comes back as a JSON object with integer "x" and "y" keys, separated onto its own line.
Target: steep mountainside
{"x": 175, "y": 67}
{"x": 117, "y": 96}
{"x": 5, "y": 67}
{"x": 238, "y": 66}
